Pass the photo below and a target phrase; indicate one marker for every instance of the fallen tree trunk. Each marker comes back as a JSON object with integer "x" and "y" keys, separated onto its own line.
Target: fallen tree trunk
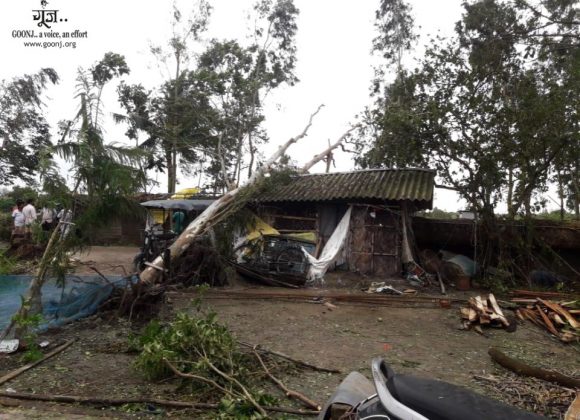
{"x": 522, "y": 368}
{"x": 224, "y": 206}
{"x": 216, "y": 212}
{"x": 70, "y": 399}
{"x": 317, "y": 158}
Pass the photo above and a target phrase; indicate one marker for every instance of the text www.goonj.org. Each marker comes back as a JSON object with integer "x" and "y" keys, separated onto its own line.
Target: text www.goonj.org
{"x": 51, "y": 44}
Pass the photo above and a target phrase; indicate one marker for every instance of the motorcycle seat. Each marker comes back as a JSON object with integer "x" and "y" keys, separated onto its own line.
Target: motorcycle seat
{"x": 439, "y": 400}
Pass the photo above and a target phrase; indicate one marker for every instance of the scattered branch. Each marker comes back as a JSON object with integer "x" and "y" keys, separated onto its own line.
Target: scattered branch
{"x": 24, "y": 368}
{"x": 289, "y": 393}
{"x": 144, "y": 400}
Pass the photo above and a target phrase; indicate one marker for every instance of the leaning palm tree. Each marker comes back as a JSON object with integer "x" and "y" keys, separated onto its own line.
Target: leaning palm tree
{"x": 104, "y": 175}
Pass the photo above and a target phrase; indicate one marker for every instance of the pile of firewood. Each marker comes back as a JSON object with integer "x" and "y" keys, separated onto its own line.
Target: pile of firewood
{"x": 559, "y": 318}
{"x": 484, "y": 312}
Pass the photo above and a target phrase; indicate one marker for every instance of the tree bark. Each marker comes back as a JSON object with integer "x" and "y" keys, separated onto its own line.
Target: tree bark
{"x": 169, "y": 161}
{"x": 510, "y": 193}
{"x": 317, "y": 158}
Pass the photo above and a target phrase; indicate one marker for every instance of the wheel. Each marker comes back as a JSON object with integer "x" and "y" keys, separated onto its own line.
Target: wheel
{"x": 139, "y": 262}
{"x": 291, "y": 260}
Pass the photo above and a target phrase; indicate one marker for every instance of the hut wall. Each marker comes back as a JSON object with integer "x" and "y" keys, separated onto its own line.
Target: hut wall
{"x": 375, "y": 242}
{"x": 290, "y": 217}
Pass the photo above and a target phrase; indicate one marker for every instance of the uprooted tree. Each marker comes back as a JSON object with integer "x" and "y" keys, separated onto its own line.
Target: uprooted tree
{"x": 229, "y": 203}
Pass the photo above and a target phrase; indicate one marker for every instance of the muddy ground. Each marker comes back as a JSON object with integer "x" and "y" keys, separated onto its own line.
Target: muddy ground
{"x": 420, "y": 341}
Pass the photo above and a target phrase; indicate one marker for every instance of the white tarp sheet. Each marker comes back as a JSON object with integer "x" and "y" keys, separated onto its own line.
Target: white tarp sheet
{"x": 331, "y": 251}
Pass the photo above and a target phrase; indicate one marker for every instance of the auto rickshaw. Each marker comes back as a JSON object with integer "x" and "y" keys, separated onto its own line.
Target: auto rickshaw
{"x": 160, "y": 227}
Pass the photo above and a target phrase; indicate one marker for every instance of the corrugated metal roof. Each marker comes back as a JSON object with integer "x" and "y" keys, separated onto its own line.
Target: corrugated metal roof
{"x": 378, "y": 184}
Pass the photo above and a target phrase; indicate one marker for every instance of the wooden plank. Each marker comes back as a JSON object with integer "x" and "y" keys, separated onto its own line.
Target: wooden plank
{"x": 557, "y": 308}
{"x": 548, "y": 323}
{"x": 282, "y": 216}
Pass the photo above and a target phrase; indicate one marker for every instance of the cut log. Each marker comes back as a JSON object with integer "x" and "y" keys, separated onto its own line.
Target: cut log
{"x": 524, "y": 369}
{"x": 497, "y": 310}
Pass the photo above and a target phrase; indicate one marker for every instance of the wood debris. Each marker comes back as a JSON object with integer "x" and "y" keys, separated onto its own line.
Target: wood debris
{"x": 559, "y": 318}
{"x": 484, "y": 312}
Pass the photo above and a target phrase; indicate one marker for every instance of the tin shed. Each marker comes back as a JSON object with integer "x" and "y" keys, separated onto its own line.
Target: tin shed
{"x": 313, "y": 205}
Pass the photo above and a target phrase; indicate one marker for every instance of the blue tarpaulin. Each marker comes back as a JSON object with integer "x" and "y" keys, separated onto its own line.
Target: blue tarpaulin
{"x": 81, "y": 297}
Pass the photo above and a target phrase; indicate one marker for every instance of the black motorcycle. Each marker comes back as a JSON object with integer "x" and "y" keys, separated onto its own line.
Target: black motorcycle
{"x": 404, "y": 397}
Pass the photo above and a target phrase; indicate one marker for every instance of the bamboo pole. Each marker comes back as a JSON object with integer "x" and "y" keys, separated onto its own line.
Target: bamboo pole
{"x": 29, "y": 366}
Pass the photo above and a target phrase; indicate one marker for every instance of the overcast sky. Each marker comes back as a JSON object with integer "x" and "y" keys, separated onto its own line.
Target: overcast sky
{"x": 333, "y": 48}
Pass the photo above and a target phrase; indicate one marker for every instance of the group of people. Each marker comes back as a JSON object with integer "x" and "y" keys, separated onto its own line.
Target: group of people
{"x": 25, "y": 216}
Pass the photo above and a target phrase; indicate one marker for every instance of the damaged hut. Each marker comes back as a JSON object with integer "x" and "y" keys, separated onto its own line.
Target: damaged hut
{"x": 377, "y": 237}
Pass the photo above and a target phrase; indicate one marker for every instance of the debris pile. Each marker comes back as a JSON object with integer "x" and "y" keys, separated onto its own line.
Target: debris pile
{"x": 531, "y": 394}
{"x": 484, "y": 312}
{"x": 558, "y": 317}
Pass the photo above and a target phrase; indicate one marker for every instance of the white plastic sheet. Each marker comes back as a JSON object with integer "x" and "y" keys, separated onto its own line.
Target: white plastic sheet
{"x": 331, "y": 251}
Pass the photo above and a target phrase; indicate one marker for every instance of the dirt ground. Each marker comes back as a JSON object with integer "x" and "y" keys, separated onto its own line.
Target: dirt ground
{"x": 116, "y": 260}
{"x": 420, "y": 341}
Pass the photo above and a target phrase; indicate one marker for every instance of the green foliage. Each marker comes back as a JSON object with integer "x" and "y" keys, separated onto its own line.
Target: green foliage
{"x": 149, "y": 334}
{"x": 209, "y": 117}
{"x": 7, "y": 264}
{"x": 6, "y": 224}
{"x": 191, "y": 344}
{"x": 27, "y": 325}
{"x": 438, "y": 214}
{"x": 493, "y": 109}
{"x": 396, "y": 33}
{"x": 230, "y": 409}
{"x": 23, "y": 128}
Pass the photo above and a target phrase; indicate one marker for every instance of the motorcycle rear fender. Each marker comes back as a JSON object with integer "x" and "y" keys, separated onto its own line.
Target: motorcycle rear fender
{"x": 351, "y": 391}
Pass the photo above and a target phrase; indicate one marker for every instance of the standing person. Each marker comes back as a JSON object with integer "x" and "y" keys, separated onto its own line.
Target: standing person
{"x": 29, "y": 212}
{"x": 178, "y": 221}
{"x": 18, "y": 217}
{"x": 47, "y": 215}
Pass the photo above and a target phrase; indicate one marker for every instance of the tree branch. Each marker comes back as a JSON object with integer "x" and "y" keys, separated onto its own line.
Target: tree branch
{"x": 317, "y": 158}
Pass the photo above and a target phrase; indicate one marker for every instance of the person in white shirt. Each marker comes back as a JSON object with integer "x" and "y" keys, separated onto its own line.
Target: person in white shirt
{"x": 29, "y": 213}
{"x": 47, "y": 218}
{"x": 18, "y": 218}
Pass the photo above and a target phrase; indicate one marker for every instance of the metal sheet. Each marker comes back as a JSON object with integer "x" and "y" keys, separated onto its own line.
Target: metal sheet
{"x": 187, "y": 205}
